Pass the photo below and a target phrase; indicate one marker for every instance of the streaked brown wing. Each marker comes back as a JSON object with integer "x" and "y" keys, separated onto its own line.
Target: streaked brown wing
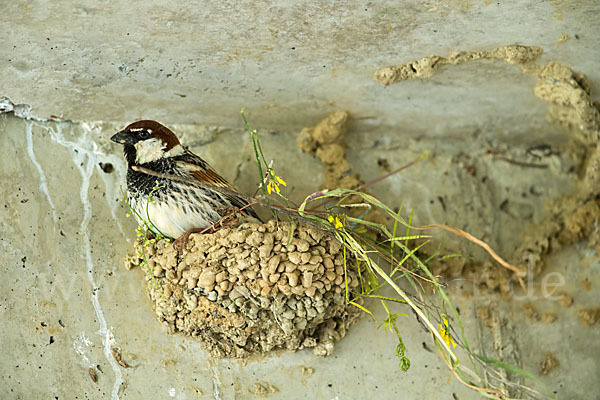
{"x": 199, "y": 169}
{"x": 206, "y": 175}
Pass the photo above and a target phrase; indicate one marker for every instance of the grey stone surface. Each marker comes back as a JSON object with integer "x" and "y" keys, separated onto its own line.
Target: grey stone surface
{"x": 288, "y": 63}
{"x": 65, "y": 298}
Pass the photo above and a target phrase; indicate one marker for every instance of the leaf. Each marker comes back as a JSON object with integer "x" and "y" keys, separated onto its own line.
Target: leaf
{"x": 450, "y": 256}
{"x": 374, "y": 296}
{"x": 507, "y": 367}
{"x": 412, "y": 237}
{"x": 363, "y": 308}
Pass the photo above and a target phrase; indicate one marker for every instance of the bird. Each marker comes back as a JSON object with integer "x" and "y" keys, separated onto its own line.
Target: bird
{"x": 173, "y": 189}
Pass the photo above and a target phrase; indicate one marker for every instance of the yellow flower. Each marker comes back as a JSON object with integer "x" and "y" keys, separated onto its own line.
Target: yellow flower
{"x": 336, "y": 221}
{"x": 276, "y": 180}
{"x": 272, "y": 186}
{"x": 279, "y": 180}
{"x": 445, "y": 333}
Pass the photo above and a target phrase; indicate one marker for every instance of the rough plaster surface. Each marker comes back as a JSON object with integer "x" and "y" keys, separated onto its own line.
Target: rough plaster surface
{"x": 66, "y": 298}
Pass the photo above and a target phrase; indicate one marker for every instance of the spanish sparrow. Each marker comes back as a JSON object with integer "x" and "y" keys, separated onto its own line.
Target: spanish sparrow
{"x": 185, "y": 193}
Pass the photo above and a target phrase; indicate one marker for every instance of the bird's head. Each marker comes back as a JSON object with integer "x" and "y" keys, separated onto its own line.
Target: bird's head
{"x": 146, "y": 141}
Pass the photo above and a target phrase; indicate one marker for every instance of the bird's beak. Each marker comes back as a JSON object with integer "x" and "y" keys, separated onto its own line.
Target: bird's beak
{"x": 122, "y": 137}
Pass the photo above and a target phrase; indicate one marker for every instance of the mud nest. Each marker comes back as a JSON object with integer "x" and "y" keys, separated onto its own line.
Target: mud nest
{"x": 253, "y": 289}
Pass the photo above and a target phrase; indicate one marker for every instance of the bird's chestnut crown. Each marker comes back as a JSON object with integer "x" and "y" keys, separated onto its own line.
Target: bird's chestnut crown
{"x": 144, "y": 130}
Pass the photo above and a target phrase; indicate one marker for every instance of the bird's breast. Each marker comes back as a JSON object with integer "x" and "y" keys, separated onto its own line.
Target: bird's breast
{"x": 171, "y": 215}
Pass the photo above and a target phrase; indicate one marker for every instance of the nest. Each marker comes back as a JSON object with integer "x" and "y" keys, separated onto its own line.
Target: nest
{"x": 253, "y": 289}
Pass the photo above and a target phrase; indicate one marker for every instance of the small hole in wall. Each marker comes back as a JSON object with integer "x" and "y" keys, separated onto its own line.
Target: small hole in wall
{"x": 107, "y": 167}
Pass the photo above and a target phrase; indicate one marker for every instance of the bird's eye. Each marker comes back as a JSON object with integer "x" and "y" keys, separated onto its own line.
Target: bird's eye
{"x": 144, "y": 134}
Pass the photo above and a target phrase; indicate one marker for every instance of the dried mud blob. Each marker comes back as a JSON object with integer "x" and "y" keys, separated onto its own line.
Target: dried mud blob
{"x": 253, "y": 289}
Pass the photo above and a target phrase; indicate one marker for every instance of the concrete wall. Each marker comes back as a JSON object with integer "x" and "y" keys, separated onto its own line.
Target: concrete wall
{"x": 66, "y": 300}
{"x": 288, "y": 63}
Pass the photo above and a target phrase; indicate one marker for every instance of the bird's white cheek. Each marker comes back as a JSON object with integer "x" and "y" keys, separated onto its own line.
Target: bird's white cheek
{"x": 149, "y": 150}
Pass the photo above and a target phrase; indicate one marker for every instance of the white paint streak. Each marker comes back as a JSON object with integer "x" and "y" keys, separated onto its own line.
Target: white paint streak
{"x": 86, "y": 156}
{"x": 43, "y": 182}
{"x": 78, "y": 346}
{"x": 112, "y": 191}
{"x": 216, "y": 380}
{"x": 85, "y": 159}
{"x": 113, "y": 194}
{"x": 24, "y": 111}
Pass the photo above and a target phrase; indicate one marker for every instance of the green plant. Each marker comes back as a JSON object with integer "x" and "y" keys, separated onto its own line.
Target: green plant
{"x": 146, "y": 232}
{"x": 383, "y": 259}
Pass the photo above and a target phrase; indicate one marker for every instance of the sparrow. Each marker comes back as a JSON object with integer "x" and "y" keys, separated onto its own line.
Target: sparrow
{"x": 171, "y": 187}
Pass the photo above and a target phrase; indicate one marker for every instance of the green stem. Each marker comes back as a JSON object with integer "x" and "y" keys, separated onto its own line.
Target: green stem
{"x": 258, "y": 163}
